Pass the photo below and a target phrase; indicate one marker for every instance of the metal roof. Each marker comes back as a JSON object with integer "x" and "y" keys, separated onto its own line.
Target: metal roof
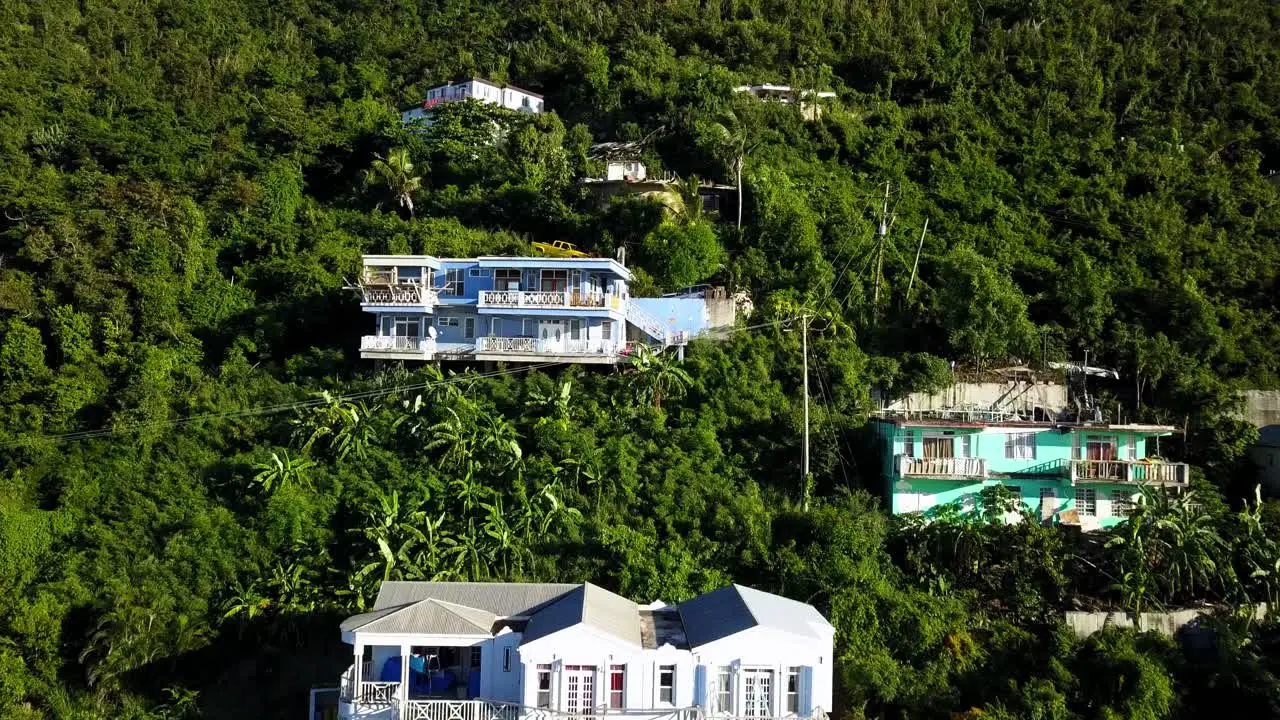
{"x": 731, "y": 610}
{"x": 592, "y": 606}
{"x": 501, "y": 599}
{"x": 429, "y": 617}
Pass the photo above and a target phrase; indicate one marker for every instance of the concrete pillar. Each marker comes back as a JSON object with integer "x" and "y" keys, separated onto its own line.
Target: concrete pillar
{"x": 404, "y": 678}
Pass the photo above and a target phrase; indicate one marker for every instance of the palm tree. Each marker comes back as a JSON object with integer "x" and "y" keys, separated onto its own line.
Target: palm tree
{"x": 395, "y": 173}
{"x": 735, "y": 143}
{"x": 281, "y": 470}
{"x": 657, "y": 375}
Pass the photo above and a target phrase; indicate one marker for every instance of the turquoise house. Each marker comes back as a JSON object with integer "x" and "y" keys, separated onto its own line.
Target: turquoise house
{"x": 1085, "y": 474}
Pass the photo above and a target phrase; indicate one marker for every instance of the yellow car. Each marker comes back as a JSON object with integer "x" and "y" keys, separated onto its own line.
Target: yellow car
{"x": 559, "y": 248}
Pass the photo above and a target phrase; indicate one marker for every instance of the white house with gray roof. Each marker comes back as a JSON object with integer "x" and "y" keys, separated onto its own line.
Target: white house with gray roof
{"x": 545, "y": 651}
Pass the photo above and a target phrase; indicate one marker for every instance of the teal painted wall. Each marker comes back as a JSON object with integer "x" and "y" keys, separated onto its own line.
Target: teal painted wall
{"x": 1053, "y": 451}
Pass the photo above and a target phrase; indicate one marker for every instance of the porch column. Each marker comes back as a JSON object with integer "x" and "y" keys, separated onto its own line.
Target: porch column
{"x": 357, "y": 673}
{"x": 529, "y": 684}
{"x": 404, "y": 679}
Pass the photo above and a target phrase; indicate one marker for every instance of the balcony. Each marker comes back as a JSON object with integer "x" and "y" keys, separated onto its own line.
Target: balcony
{"x": 543, "y": 346}
{"x": 943, "y": 467}
{"x": 399, "y": 295}
{"x": 536, "y": 299}
{"x": 397, "y": 345}
{"x": 1136, "y": 472}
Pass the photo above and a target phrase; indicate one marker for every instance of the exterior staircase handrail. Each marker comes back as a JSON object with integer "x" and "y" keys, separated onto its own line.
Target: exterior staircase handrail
{"x": 654, "y": 327}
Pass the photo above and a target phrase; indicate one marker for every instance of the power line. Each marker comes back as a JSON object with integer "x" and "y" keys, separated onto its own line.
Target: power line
{"x": 267, "y": 410}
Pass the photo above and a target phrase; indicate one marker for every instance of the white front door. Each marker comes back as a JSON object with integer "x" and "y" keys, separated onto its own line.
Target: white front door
{"x": 580, "y": 689}
{"x": 757, "y": 693}
{"x": 551, "y": 334}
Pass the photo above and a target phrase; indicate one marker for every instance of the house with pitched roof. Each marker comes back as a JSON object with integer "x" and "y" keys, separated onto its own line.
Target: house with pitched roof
{"x": 545, "y": 651}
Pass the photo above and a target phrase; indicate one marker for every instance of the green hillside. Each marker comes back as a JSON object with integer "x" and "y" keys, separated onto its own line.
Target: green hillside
{"x": 199, "y": 477}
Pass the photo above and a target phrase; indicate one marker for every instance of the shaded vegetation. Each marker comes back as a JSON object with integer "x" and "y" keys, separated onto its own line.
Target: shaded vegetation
{"x": 198, "y": 476}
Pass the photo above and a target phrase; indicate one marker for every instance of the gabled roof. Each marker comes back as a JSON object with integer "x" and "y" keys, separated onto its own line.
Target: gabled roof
{"x": 593, "y": 607}
{"x": 731, "y": 610}
{"x": 426, "y": 616}
{"x": 502, "y": 599}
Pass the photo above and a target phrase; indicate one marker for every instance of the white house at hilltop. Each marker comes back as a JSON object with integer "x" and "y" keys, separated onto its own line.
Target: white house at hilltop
{"x": 485, "y": 91}
{"x": 515, "y": 651}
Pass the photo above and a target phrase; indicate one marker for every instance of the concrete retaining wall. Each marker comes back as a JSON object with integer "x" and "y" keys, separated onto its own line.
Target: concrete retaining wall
{"x": 1085, "y": 624}
{"x": 1023, "y": 399}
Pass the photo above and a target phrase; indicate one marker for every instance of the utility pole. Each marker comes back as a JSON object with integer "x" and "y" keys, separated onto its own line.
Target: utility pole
{"x": 882, "y": 237}
{"x": 804, "y": 344}
{"x": 917, "y": 262}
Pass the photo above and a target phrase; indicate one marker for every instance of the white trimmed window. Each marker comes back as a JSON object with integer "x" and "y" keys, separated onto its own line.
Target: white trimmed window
{"x": 724, "y": 690}
{"x": 606, "y": 330}
{"x": 793, "y": 690}
{"x": 1121, "y": 503}
{"x": 454, "y": 283}
{"x": 1020, "y": 446}
{"x": 617, "y": 686}
{"x": 1087, "y": 502}
{"x": 544, "y": 686}
{"x": 667, "y": 684}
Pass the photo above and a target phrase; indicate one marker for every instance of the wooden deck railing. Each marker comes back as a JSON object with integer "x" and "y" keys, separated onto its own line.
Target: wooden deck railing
{"x": 942, "y": 467}
{"x": 1129, "y": 471}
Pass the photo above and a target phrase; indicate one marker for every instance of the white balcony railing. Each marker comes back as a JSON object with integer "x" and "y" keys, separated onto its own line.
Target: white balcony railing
{"x": 544, "y": 346}
{"x": 434, "y": 709}
{"x": 945, "y": 467}
{"x": 404, "y": 294}
{"x": 1129, "y": 471}
{"x": 397, "y": 343}
{"x": 547, "y": 299}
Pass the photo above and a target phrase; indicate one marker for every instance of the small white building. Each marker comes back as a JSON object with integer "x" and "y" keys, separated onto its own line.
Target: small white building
{"x": 809, "y": 100}
{"x": 485, "y": 91}
{"x": 540, "y": 651}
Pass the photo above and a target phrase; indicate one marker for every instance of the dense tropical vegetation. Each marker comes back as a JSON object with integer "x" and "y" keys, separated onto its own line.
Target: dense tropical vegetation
{"x": 199, "y": 477}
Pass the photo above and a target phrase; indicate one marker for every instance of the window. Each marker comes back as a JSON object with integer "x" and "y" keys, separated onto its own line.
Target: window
{"x": 444, "y": 321}
{"x": 468, "y": 327}
{"x": 1016, "y": 491}
{"x": 478, "y": 272}
{"x": 544, "y": 686}
{"x": 1087, "y": 502}
{"x": 1100, "y": 448}
{"x": 724, "y": 690}
{"x": 506, "y": 279}
{"x": 938, "y": 446}
{"x": 554, "y": 280}
{"x": 909, "y": 444}
{"x": 1020, "y": 446}
{"x": 453, "y": 283}
{"x": 793, "y": 690}
{"x": 475, "y": 657}
{"x": 409, "y": 275}
{"x": 403, "y": 326}
{"x": 1121, "y": 503}
{"x": 575, "y": 329}
{"x": 506, "y": 659}
{"x": 667, "y": 684}
{"x": 606, "y": 330}
{"x": 1133, "y": 447}
{"x": 617, "y": 682}
{"x": 495, "y": 327}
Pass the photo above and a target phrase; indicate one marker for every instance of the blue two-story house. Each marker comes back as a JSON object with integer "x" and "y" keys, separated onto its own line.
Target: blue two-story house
{"x": 512, "y": 309}
{"x": 1085, "y": 474}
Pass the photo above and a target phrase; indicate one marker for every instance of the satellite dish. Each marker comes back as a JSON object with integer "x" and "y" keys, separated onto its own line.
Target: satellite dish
{"x": 431, "y": 331}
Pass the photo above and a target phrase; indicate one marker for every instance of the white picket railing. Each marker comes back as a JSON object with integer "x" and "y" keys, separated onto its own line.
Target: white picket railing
{"x": 564, "y": 346}
{"x": 397, "y": 343}
{"x": 545, "y": 299}
{"x": 488, "y": 710}
{"x": 398, "y": 294}
{"x": 941, "y": 467}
